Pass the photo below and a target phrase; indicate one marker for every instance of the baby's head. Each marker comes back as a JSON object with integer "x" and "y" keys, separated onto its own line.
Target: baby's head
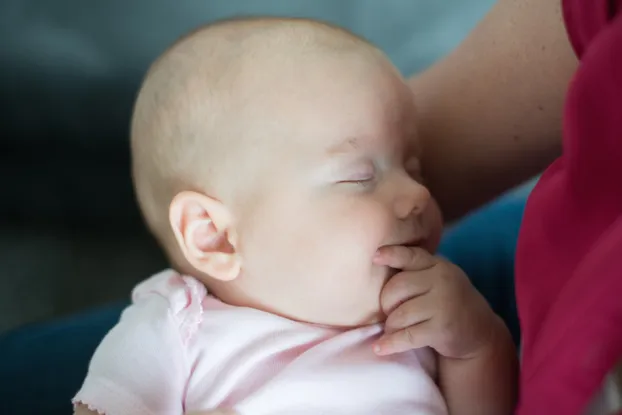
{"x": 272, "y": 158}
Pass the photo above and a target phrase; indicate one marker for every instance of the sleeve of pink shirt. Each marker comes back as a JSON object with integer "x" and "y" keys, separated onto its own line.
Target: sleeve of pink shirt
{"x": 141, "y": 366}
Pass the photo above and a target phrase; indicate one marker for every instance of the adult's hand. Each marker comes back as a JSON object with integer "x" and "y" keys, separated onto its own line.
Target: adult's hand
{"x": 489, "y": 115}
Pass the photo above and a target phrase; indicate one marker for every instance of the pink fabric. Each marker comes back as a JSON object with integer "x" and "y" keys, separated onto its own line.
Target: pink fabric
{"x": 569, "y": 257}
{"x": 177, "y": 349}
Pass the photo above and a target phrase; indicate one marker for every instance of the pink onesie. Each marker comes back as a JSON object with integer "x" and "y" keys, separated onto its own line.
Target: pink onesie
{"x": 176, "y": 349}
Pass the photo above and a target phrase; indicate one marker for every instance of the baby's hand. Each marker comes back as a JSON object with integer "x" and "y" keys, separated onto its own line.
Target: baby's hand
{"x": 432, "y": 303}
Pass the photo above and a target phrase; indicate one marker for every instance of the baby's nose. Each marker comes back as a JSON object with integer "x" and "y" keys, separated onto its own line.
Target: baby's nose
{"x": 412, "y": 200}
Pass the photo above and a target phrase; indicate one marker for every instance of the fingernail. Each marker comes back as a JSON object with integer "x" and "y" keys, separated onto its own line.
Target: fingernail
{"x": 377, "y": 349}
{"x": 377, "y": 256}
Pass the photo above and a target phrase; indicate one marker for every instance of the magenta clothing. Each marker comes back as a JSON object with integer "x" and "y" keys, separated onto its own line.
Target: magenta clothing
{"x": 569, "y": 255}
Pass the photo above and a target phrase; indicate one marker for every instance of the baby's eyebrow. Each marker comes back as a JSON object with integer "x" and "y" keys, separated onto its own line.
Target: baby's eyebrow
{"x": 345, "y": 146}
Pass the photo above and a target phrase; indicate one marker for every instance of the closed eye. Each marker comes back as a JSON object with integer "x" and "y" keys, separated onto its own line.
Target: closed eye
{"x": 360, "y": 182}
{"x": 366, "y": 180}
{"x": 363, "y": 175}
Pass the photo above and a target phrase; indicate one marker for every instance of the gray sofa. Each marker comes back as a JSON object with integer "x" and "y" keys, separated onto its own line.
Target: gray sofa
{"x": 71, "y": 236}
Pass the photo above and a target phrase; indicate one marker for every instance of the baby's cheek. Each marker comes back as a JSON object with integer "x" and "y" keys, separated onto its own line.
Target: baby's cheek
{"x": 369, "y": 227}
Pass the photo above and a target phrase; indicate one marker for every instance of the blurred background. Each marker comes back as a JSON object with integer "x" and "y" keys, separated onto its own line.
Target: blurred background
{"x": 70, "y": 234}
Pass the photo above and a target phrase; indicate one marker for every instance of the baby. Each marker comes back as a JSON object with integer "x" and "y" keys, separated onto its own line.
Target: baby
{"x": 276, "y": 162}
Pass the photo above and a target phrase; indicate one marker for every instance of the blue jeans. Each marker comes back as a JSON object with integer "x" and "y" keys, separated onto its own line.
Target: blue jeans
{"x": 43, "y": 365}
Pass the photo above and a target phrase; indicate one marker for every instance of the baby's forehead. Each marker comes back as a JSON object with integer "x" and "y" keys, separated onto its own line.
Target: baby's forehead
{"x": 344, "y": 121}
{"x": 321, "y": 100}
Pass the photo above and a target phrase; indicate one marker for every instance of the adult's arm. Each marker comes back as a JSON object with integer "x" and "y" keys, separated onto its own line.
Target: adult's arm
{"x": 489, "y": 114}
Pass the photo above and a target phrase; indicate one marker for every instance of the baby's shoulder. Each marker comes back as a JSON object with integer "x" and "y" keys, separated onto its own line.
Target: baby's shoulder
{"x": 170, "y": 295}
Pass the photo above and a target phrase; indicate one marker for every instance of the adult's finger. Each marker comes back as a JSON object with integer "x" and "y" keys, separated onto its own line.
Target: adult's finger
{"x": 404, "y": 257}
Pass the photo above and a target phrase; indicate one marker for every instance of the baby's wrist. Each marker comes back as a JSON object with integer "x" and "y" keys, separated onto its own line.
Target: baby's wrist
{"x": 494, "y": 337}
{"x": 498, "y": 338}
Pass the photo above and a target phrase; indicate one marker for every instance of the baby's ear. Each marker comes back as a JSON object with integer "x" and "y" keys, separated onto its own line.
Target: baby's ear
{"x": 204, "y": 234}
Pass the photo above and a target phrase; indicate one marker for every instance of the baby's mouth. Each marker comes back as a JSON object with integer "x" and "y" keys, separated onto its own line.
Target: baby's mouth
{"x": 414, "y": 243}
{"x": 411, "y": 243}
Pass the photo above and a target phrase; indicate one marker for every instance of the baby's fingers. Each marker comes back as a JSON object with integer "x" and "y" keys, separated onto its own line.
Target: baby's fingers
{"x": 413, "y": 337}
{"x": 404, "y": 258}
{"x": 404, "y": 286}
{"x": 411, "y": 313}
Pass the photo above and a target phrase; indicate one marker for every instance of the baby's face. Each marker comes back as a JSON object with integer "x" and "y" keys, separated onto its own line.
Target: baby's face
{"x": 339, "y": 180}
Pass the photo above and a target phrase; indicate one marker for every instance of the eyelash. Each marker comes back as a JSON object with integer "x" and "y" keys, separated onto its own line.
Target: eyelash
{"x": 361, "y": 182}
{"x": 363, "y": 176}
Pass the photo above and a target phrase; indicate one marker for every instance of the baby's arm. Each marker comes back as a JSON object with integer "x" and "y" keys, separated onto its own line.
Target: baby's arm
{"x": 140, "y": 367}
{"x": 485, "y": 383}
{"x": 432, "y": 303}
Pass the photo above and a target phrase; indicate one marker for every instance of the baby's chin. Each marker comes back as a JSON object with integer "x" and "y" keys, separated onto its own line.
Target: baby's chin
{"x": 364, "y": 312}
{"x": 368, "y": 314}
{"x": 375, "y": 317}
